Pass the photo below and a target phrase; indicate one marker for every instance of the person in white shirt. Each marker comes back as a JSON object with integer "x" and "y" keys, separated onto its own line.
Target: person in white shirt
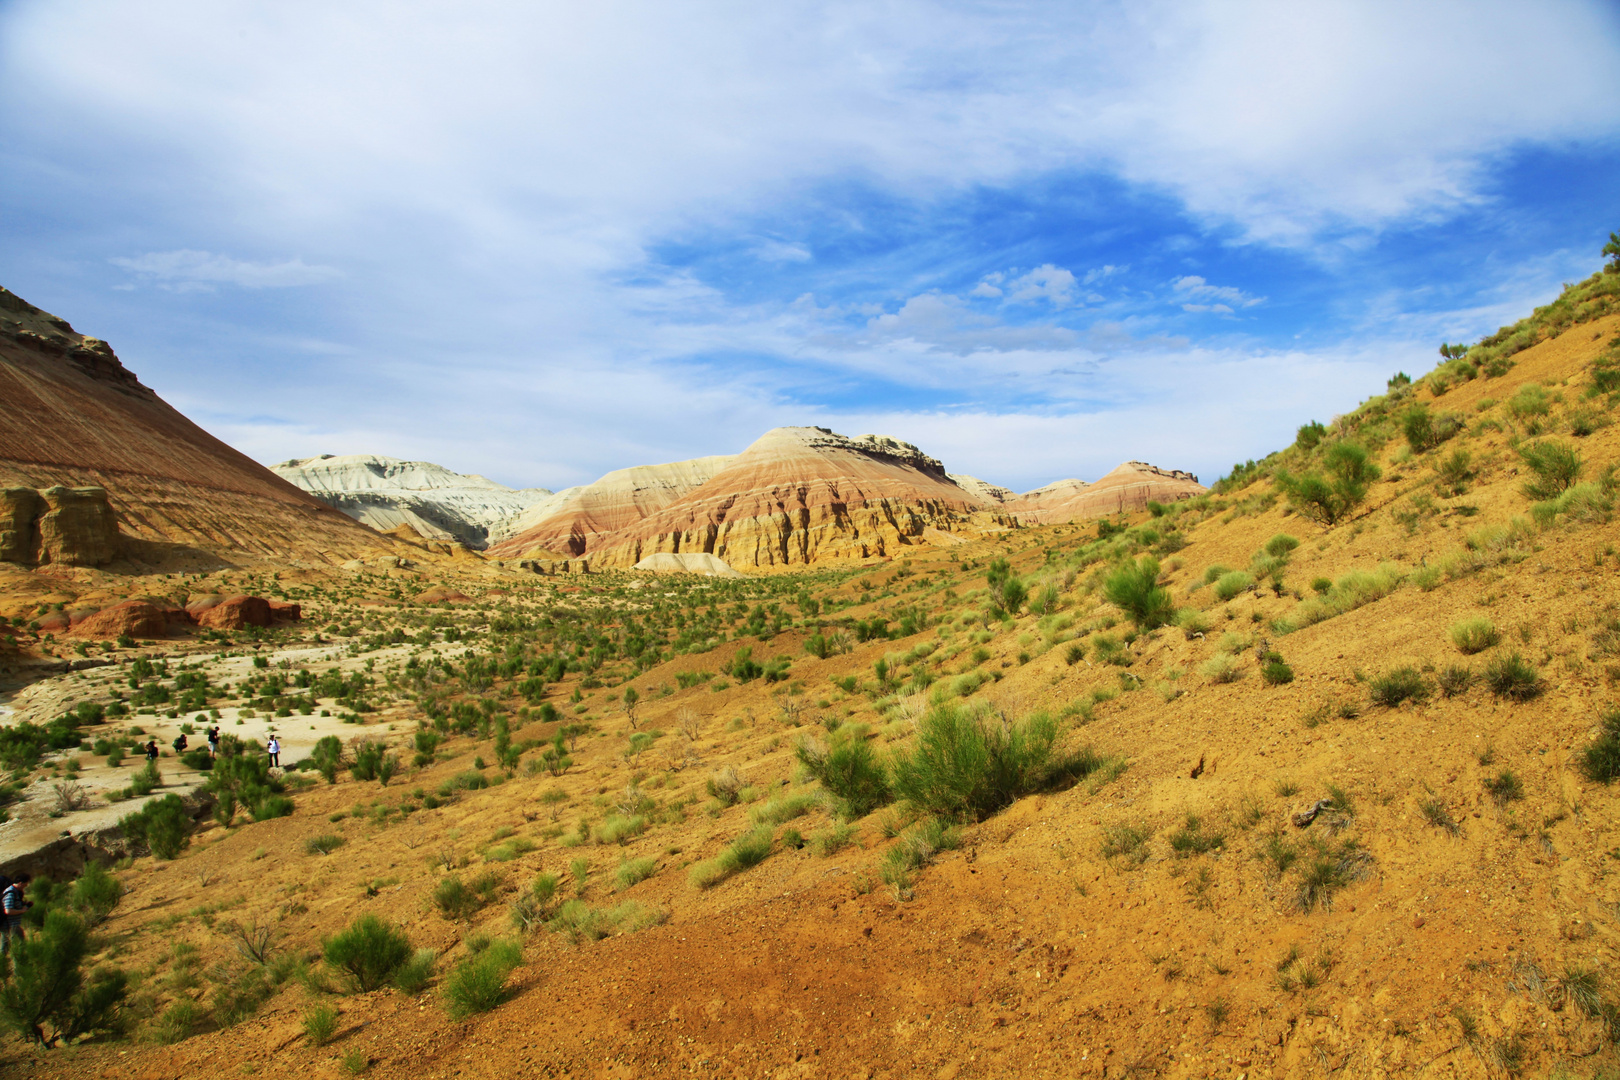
{"x": 273, "y": 748}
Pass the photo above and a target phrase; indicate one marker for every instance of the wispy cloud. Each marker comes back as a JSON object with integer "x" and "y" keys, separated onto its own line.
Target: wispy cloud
{"x": 1196, "y": 294}
{"x": 191, "y": 270}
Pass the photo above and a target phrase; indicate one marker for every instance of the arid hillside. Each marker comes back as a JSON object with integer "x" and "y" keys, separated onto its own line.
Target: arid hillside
{"x": 72, "y": 415}
{"x": 1307, "y": 775}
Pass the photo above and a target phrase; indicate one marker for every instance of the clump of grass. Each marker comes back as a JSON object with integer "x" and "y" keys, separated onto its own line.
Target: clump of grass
{"x": 1276, "y": 671}
{"x": 175, "y": 1023}
{"x": 1456, "y": 679}
{"x": 320, "y": 1024}
{"x": 1555, "y": 465}
{"x": 825, "y": 842}
{"x": 1513, "y": 677}
{"x": 1402, "y": 684}
{"x": 915, "y": 850}
{"x": 1328, "y": 868}
{"x": 1134, "y": 588}
{"x": 1232, "y": 583}
{"x": 1474, "y": 635}
{"x": 1220, "y": 668}
{"x": 414, "y": 974}
{"x": 634, "y": 871}
{"x": 478, "y": 984}
{"x": 1277, "y": 853}
{"x": 1355, "y": 589}
{"x": 1505, "y": 787}
{"x": 583, "y": 923}
{"x": 1600, "y": 761}
{"x": 782, "y": 808}
{"x": 459, "y": 900}
{"x": 1126, "y": 842}
{"x": 1193, "y": 623}
{"x": 324, "y": 844}
{"x": 1435, "y": 812}
{"x": 748, "y": 850}
{"x": 617, "y": 828}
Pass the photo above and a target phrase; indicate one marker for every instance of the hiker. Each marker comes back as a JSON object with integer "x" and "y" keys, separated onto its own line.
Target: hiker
{"x": 273, "y": 748}
{"x": 213, "y": 741}
{"x": 15, "y": 904}
{"x": 180, "y": 743}
{"x": 152, "y": 751}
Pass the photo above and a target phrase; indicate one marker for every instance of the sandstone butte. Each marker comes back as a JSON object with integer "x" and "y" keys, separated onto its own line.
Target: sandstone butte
{"x": 73, "y": 420}
{"x": 802, "y": 495}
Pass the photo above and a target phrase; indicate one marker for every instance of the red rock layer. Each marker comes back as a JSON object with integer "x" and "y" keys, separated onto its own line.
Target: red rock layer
{"x": 1127, "y": 488}
{"x": 71, "y": 414}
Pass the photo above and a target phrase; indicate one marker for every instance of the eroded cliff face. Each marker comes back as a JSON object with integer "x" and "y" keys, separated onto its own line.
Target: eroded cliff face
{"x": 73, "y": 417}
{"x": 62, "y": 526}
{"x": 801, "y": 495}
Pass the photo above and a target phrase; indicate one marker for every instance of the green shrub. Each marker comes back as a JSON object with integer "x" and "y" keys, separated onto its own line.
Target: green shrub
{"x": 47, "y": 999}
{"x": 368, "y": 760}
{"x": 829, "y": 841}
{"x": 1425, "y": 430}
{"x": 916, "y": 849}
{"x": 96, "y": 892}
{"x": 1402, "y": 684}
{"x": 1556, "y": 466}
{"x": 162, "y": 825}
{"x": 1455, "y": 680}
{"x": 634, "y": 871}
{"x": 370, "y": 951}
{"x": 144, "y": 780}
{"x": 1355, "y": 589}
{"x": 1321, "y": 585}
{"x": 1214, "y": 573}
{"x": 1233, "y": 582}
{"x": 458, "y": 900}
{"x": 1221, "y": 668}
{"x": 1134, "y": 588}
{"x": 962, "y": 764}
{"x": 176, "y": 1023}
{"x": 1530, "y": 401}
{"x": 1126, "y": 842}
{"x": 1350, "y": 473}
{"x": 1192, "y": 623}
{"x": 1513, "y": 677}
{"x": 848, "y": 768}
{"x": 1600, "y": 761}
{"x": 782, "y": 808}
{"x": 1474, "y": 635}
{"x": 324, "y": 844}
{"x": 328, "y": 757}
{"x": 272, "y": 806}
{"x": 1276, "y": 672}
{"x": 478, "y": 984}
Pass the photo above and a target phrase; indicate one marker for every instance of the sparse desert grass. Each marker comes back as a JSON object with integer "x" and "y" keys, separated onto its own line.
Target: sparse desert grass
{"x": 1355, "y": 589}
{"x": 1505, "y": 787}
{"x": 324, "y": 844}
{"x": 583, "y": 923}
{"x": 320, "y": 1024}
{"x": 1126, "y": 842}
{"x": 1233, "y": 582}
{"x": 1192, "y": 838}
{"x": 1393, "y": 687}
{"x": 633, "y": 871}
{"x": 849, "y": 768}
{"x": 1193, "y": 623}
{"x": 1600, "y": 760}
{"x": 748, "y": 850}
{"x": 826, "y": 842}
{"x": 783, "y": 808}
{"x": 478, "y": 983}
{"x": 1221, "y": 668}
{"x": 1436, "y": 814}
{"x": 1455, "y": 679}
{"x": 915, "y": 849}
{"x": 459, "y": 900}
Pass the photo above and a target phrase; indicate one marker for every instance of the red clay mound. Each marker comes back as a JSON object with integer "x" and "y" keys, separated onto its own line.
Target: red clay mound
{"x": 280, "y": 609}
{"x": 236, "y": 613}
{"x": 441, "y": 595}
{"x": 56, "y": 622}
{"x": 137, "y": 618}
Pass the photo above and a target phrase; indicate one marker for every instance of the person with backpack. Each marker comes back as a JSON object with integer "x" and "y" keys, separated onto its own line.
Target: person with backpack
{"x": 273, "y": 748}
{"x": 180, "y": 743}
{"x": 213, "y": 741}
{"x": 14, "y": 904}
{"x": 152, "y": 751}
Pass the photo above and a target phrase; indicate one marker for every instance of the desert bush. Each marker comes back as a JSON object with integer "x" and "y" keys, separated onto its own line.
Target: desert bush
{"x": 162, "y": 826}
{"x": 534, "y": 906}
{"x": 478, "y": 983}
{"x": 1600, "y": 761}
{"x": 238, "y": 995}
{"x": 1275, "y": 671}
{"x": 782, "y": 808}
{"x": 1505, "y": 786}
{"x": 328, "y": 757}
{"x": 634, "y": 871}
{"x": 848, "y": 768}
{"x": 369, "y": 952}
{"x": 1530, "y": 401}
{"x": 47, "y": 999}
{"x": 1232, "y": 583}
{"x": 1213, "y": 574}
{"x": 368, "y": 759}
{"x": 458, "y": 900}
{"x": 324, "y": 844}
{"x": 1404, "y": 683}
{"x": 1192, "y": 623}
{"x": 1453, "y": 471}
{"x": 175, "y": 1023}
{"x": 964, "y": 764}
{"x": 725, "y": 786}
{"x": 1220, "y": 668}
{"x": 916, "y": 848}
{"x": 1436, "y": 813}
{"x": 617, "y": 828}
{"x": 272, "y": 806}
{"x": 95, "y": 892}
{"x": 1513, "y": 677}
{"x": 1425, "y": 430}
{"x": 1474, "y": 635}
{"x": 1555, "y": 465}
{"x": 1328, "y": 500}
{"x": 1134, "y": 588}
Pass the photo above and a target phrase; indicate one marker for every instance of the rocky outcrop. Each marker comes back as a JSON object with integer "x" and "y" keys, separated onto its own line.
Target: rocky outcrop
{"x": 387, "y": 493}
{"x": 135, "y": 618}
{"x": 236, "y": 613}
{"x": 1126, "y": 489}
{"x": 71, "y": 415}
{"x": 989, "y": 494}
{"x": 60, "y": 525}
{"x": 801, "y": 495}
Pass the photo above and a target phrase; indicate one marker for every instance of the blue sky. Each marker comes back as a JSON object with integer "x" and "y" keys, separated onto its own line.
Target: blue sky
{"x": 542, "y": 241}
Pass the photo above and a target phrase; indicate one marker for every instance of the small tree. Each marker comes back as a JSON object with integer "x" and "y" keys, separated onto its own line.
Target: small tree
{"x": 328, "y": 756}
{"x": 370, "y": 951}
{"x": 47, "y": 987}
{"x": 631, "y": 700}
{"x": 1350, "y": 473}
{"x": 1612, "y": 250}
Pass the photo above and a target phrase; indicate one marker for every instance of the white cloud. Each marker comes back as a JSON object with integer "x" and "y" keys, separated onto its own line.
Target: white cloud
{"x": 1050, "y": 283}
{"x": 1196, "y": 294}
{"x": 186, "y": 269}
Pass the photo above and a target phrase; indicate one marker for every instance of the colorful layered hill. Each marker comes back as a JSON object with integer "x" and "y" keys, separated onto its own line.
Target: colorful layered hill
{"x": 801, "y": 495}
{"x": 73, "y": 417}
